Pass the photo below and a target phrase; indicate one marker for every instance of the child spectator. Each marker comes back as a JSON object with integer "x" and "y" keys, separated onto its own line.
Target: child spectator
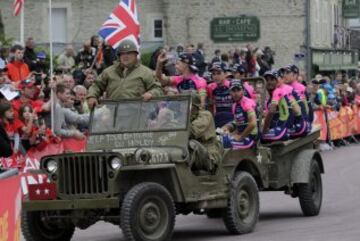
{"x": 28, "y": 119}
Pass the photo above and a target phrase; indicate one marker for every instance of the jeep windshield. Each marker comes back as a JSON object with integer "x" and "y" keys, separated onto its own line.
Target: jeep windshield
{"x": 134, "y": 123}
{"x": 138, "y": 116}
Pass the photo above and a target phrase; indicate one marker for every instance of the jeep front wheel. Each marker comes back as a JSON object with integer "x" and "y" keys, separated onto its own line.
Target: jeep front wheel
{"x": 310, "y": 194}
{"x": 148, "y": 213}
{"x": 242, "y": 212}
{"x": 36, "y": 227}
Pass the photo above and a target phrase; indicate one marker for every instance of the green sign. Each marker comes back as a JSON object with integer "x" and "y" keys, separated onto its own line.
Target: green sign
{"x": 329, "y": 60}
{"x": 351, "y": 8}
{"x": 235, "y": 29}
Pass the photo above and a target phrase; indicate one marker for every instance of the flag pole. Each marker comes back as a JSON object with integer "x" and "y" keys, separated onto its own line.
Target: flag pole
{"x": 22, "y": 24}
{"x": 52, "y": 97}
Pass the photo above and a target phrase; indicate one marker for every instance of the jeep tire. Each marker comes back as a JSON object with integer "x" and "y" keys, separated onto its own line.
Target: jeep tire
{"x": 310, "y": 194}
{"x": 148, "y": 213}
{"x": 35, "y": 229}
{"x": 242, "y": 212}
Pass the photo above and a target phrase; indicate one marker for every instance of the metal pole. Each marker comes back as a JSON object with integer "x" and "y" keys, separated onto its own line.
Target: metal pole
{"x": 52, "y": 97}
{"x": 308, "y": 40}
{"x": 22, "y": 24}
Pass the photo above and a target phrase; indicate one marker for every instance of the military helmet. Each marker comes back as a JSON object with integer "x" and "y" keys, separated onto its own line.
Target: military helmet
{"x": 127, "y": 46}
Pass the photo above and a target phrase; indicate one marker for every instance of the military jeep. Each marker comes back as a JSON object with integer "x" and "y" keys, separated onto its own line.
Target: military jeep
{"x": 137, "y": 174}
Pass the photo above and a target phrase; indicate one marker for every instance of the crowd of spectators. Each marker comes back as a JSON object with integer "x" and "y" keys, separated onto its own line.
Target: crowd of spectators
{"x": 27, "y": 118}
{"x": 26, "y": 87}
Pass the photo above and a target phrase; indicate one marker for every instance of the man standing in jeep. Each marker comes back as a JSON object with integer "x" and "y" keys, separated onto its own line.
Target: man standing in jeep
{"x": 125, "y": 79}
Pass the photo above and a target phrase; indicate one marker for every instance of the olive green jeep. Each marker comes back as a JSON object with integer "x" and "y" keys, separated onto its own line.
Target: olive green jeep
{"x": 137, "y": 174}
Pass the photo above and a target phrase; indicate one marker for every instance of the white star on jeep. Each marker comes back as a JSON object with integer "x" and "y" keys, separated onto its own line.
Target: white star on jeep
{"x": 46, "y": 191}
{"x": 37, "y": 191}
{"x": 259, "y": 158}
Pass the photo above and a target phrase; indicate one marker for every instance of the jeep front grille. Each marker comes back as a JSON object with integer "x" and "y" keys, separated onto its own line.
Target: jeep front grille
{"x": 83, "y": 175}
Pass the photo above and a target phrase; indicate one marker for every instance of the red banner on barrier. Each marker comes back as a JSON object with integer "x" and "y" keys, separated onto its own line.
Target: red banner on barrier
{"x": 10, "y": 209}
{"x": 33, "y": 156}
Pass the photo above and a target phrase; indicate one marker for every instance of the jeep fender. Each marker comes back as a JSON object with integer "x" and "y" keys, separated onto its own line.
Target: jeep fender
{"x": 300, "y": 170}
{"x": 252, "y": 168}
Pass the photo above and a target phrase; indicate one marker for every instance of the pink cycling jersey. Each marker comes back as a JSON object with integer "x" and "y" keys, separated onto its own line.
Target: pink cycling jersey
{"x": 189, "y": 83}
{"x": 278, "y": 93}
{"x": 250, "y": 89}
{"x": 287, "y": 91}
{"x": 246, "y": 104}
{"x": 220, "y": 96}
{"x": 300, "y": 89}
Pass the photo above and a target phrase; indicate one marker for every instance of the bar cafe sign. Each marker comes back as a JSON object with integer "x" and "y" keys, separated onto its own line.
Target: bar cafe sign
{"x": 351, "y": 8}
{"x": 235, "y": 29}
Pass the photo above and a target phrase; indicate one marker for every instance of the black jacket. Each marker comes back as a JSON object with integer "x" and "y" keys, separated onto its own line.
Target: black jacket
{"x": 5, "y": 144}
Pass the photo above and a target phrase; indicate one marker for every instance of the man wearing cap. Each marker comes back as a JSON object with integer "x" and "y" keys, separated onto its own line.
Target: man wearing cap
{"x": 125, "y": 79}
{"x": 239, "y": 72}
{"x": 319, "y": 94}
{"x": 188, "y": 80}
{"x": 206, "y": 149}
{"x": 301, "y": 125}
{"x": 243, "y": 130}
{"x": 277, "y": 114}
{"x": 219, "y": 97}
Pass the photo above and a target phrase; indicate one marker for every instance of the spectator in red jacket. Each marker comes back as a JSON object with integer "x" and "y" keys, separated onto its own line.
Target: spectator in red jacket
{"x": 17, "y": 69}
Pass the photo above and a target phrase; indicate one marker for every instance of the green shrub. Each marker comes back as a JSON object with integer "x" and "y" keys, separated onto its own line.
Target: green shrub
{"x": 145, "y": 58}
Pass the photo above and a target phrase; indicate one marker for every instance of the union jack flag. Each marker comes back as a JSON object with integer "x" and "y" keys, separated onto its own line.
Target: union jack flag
{"x": 17, "y": 6}
{"x": 122, "y": 24}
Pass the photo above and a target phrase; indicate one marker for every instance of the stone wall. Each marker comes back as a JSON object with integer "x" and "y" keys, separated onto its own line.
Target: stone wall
{"x": 84, "y": 17}
{"x": 282, "y": 22}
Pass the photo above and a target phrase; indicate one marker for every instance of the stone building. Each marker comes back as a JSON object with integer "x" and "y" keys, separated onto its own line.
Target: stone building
{"x": 284, "y": 24}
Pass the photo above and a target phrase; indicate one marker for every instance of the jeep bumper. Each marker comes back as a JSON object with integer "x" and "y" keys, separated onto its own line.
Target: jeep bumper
{"x": 44, "y": 205}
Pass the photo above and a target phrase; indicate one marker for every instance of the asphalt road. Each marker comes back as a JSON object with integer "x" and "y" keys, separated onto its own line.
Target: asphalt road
{"x": 280, "y": 215}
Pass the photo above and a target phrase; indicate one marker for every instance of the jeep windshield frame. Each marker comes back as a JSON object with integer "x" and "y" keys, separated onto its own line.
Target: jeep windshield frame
{"x": 173, "y": 114}
{"x": 141, "y": 117}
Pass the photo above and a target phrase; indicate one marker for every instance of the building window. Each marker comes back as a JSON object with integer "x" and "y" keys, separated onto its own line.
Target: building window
{"x": 59, "y": 25}
{"x": 158, "y": 29}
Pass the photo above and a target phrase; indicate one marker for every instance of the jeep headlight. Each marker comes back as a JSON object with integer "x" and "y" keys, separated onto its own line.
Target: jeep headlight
{"x": 51, "y": 166}
{"x": 115, "y": 163}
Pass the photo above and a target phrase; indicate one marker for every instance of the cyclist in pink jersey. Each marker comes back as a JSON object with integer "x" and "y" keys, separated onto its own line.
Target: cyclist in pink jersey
{"x": 298, "y": 125}
{"x": 218, "y": 93}
{"x": 277, "y": 116}
{"x": 187, "y": 80}
{"x": 300, "y": 89}
{"x": 243, "y": 130}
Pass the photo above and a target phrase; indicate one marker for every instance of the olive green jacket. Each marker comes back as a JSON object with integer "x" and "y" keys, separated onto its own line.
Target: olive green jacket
{"x": 203, "y": 130}
{"x": 117, "y": 84}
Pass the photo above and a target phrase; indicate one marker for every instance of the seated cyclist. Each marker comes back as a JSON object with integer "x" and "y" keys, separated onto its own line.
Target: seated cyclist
{"x": 297, "y": 122}
{"x": 277, "y": 114}
{"x": 243, "y": 130}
